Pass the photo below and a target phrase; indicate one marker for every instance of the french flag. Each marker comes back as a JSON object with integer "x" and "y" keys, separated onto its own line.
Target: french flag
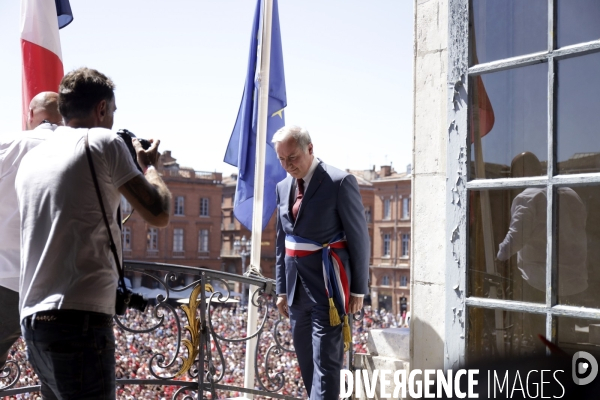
{"x": 40, "y": 46}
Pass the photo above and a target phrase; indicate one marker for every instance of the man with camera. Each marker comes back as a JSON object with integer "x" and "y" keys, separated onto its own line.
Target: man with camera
{"x": 69, "y": 272}
{"x": 43, "y": 117}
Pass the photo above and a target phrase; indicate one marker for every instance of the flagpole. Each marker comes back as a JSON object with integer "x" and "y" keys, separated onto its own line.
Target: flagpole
{"x": 259, "y": 178}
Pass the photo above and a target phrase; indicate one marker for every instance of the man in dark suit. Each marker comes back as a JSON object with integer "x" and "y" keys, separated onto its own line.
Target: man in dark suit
{"x": 322, "y": 268}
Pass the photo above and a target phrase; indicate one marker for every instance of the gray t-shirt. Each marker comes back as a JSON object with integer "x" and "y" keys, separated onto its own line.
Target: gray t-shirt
{"x": 66, "y": 262}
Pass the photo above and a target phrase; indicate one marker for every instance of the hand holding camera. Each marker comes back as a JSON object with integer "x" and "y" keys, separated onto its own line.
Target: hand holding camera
{"x": 146, "y": 156}
{"x": 144, "y": 152}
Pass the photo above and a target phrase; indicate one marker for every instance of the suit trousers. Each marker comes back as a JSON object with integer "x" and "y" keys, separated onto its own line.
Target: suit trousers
{"x": 319, "y": 346}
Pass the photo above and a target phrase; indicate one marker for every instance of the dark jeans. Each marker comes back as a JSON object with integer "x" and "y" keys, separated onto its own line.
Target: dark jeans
{"x": 73, "y": 354}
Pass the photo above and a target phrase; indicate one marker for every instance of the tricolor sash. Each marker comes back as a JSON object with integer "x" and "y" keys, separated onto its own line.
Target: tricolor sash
{"x": 334, "y": 274}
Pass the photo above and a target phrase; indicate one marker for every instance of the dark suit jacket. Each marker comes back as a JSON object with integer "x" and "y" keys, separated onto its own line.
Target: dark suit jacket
{"x": 331, "y": 204}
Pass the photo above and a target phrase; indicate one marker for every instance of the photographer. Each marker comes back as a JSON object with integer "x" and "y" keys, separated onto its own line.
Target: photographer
{"x": 69, "y": 275}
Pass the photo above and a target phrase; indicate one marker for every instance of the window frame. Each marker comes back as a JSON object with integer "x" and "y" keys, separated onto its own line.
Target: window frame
{"x": 385, "y": 280}
{"x": 405, "y": 241}
{"x": 204, "y": 209}
{"x": 387, "y": 209}
{"x": 178, "y": 239}
{"x": 387, "y": 243}
{"x": 179, "y": 206}
{"x": 406, "y": 208}
{"x": 152, "y": 233}
{"x": 458, "y": 186}
{"x": 202, "y": 239}
{"x": 403, "y": 278}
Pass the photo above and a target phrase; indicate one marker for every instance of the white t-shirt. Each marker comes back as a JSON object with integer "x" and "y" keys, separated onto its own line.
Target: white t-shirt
{"x": 527, "y": 236}
{"x": 13, "y": 148}
{"x": 66, "y": 261}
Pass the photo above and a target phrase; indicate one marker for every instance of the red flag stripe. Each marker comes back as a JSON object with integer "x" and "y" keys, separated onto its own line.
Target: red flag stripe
{"x": 42, "y": 71}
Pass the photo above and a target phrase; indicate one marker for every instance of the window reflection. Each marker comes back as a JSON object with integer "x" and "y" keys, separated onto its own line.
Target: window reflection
{"x": 577, "y": 21}
{"x": 578, "y": 115}
{"x": 498, "y": 333}
{"x": 518, "y": 110}
{"x": 578, "y": 247}
{"x": 502, "y": 29}
{"x": 576, "y": 334}
{"x": 517, "y": 229}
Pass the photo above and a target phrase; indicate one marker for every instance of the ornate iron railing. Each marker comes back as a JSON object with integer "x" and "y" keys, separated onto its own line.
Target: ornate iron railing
{"x": 183, "y": 351}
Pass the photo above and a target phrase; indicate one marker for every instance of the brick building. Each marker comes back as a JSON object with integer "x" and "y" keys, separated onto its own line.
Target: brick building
{"x": 387, "y": 211}
{"x": 193, "y": 237}
{"x": 235, "y": 238}
{"x": 205, "y": 233}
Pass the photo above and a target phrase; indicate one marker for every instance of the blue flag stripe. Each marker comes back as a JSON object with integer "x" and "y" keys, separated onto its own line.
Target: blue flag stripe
{"x": 64, "y": 13}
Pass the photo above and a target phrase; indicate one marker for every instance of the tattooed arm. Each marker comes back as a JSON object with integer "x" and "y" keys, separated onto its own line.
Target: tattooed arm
{"x": 148, "y": 195}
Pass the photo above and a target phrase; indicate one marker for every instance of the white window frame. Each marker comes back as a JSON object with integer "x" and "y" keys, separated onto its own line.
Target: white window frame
{"x": 406, "y": 208}
{"x": 385, "y": 280}
{"x": 387, "y": 209}
{"x": 403, "y": 281}
{"x": 178, "y": 239}
{"x": 179, "y": 206}
{"x": 152, "y": 240}
{"x": 458, "y": 185}
{"x": 205, "y": 207}
{"x": 405, "y": 245}
{"x": 203, "y": 240}
{"x": 387, "y": 245}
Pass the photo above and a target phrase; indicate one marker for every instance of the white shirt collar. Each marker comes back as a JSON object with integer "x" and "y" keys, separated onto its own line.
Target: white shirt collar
{"x": 311, "y": 172}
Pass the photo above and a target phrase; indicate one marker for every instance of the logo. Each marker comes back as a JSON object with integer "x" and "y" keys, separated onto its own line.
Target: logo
{"x": 585, "y": 368}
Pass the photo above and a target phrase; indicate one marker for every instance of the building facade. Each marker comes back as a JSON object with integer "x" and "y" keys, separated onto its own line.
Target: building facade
{"x": 235, "y": 237}
{"x": 386, "y": 197}
{"x": 390, "y": 270}
{"x": 193, "y": 237}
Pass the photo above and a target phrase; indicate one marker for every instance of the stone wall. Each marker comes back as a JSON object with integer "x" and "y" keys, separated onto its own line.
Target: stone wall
{"x": 429, "y": 184}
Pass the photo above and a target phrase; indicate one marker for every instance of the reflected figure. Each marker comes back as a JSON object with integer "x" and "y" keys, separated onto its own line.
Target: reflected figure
{"x": 527, "y": 235}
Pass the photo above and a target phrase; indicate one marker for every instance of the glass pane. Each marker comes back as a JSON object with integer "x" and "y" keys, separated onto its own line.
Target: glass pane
{"x": 502, "y": 29}
{"x": 508, "y": 111}
{"x": 498, "y": 333}
{"x": 578, "y": 245}
{"x": 514, "y": 222}
{"x": 578, "y": 115}
{"x": 577, "y": 21}
{"x": 575, "y": 334}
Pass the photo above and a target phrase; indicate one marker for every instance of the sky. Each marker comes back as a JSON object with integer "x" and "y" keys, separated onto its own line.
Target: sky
{"x": 180, "y": 67}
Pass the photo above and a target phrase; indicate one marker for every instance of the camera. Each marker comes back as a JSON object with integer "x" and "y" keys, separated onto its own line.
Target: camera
{"x": 127, "y": 299}
{"x": 127, "y": 136}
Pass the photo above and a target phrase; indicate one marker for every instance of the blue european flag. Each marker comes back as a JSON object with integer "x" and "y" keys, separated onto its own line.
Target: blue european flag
{"x": 241, "y": 151}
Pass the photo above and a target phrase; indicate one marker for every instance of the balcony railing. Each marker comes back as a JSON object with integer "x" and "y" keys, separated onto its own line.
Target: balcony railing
{"x": 230, "y": 253}
{"x": 190, "y": 342}
{"x": 229, "y": 226}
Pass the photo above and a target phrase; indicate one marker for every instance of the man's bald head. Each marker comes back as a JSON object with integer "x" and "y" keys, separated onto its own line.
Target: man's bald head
{"x": 44, "y": 106}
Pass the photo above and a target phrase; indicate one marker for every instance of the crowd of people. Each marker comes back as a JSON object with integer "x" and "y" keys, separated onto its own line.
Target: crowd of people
{"x": 135, "y": 352}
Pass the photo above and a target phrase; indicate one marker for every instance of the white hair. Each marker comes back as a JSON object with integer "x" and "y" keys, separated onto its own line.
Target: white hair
{"x": 299, "y": 134}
